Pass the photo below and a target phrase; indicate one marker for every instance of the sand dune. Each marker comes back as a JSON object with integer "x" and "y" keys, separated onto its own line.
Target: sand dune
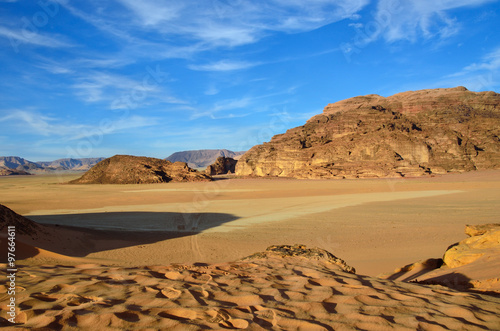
{"x": 280, "y": 293}
{"x": 83, "y": 278}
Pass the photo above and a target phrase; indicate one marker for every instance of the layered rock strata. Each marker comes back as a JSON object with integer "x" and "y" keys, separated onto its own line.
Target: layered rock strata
{"x": 408, "y": 134}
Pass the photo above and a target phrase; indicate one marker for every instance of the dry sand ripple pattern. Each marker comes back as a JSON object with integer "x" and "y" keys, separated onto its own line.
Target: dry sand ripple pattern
{"x": 277, "y": 294}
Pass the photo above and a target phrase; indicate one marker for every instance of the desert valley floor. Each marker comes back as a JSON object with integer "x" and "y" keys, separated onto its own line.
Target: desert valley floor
{"x": 159, "y": 256}
{"x": 375, "y": 225}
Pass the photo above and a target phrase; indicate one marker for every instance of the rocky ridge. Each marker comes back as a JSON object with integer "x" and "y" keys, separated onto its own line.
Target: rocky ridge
{"x": 408, "y": 134}
{"x": 126, "y": 169}
{"x": 11, "y": 172}
{"x": 202, "y": 158}
{"x": 221, "y": 166}
{"x": 15, "y": 165}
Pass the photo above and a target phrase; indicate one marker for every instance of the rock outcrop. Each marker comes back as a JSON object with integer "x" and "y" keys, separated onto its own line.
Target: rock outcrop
{"x": 202, "y": 158}
{"x": 126, "y": 169}
{"x": 407, "y": 134}
{"x": 223, "y": 165}
{"x": 301, "y": 251}
{"x": 471, "y": 249}
{"x": 472, "y": 264}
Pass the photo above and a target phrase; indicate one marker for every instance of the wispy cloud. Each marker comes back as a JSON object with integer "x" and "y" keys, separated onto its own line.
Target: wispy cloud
{"x": 18, "y": 37}
{"x": 224, "y": 105}
{"x": 102, "y": 86}
{"x": 38, "y": 124}
{"x": 478, "y": 76}
{"x": 411, "y": 19}
{"x": 490, "y": 62}
{"x": 224, "y": 65}
{"x": 220, "y": 23}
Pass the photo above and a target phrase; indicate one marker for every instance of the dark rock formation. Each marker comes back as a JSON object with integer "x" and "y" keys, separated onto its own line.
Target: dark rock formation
{"x": 11, "y": 172}
{"x": 223, "y": 165}
{"x": 23, "y": 225}
{"x": 408, "y": 134}
{"x": 284, "y": 251}
{"x": 202, "y": 158}
{"x": 126, "y": 169}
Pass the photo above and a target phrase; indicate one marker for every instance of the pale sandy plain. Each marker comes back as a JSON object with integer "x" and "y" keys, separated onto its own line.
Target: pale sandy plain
{"x": 375, "y": 225}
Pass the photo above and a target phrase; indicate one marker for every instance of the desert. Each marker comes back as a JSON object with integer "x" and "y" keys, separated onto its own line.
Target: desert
{"x": 172, "y": 255}
{"x": 251, "y": 165}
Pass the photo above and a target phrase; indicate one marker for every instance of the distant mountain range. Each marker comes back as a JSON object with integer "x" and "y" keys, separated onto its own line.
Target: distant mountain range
{"x": 202, "y": 158}
{"x": 15, "y": 165}
{"x": 18, "y": 165}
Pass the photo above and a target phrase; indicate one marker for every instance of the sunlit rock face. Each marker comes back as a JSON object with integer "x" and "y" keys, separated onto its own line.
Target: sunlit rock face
{"x": 414, "y": 133}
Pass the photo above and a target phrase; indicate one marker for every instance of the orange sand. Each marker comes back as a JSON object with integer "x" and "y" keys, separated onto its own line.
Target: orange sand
{"x": 375, "y": 225}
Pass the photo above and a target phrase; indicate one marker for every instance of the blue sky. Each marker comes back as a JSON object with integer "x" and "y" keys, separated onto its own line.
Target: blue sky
{"x": 98, "y": 78}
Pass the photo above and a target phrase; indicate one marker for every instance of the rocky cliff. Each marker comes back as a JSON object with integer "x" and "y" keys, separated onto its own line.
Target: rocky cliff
{"x": 408, "y": 134}
{"x": 126, "y": 169}
{"x": 203, "y": 157}
{"x": 221, "y": 166}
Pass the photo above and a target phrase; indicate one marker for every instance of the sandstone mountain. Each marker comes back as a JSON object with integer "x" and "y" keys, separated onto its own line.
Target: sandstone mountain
{"x": 202, "y": 158}
{"x": 223, "y": 165}
{"x": 408, "y": 134}
{"x": 126, "y": 169}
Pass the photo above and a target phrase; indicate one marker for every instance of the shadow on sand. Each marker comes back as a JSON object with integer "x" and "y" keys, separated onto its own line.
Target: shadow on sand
{"x": 81, "y": 234}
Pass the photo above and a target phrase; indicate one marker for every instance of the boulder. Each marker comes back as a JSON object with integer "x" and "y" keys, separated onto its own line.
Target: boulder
{"x": 223, "y": 165}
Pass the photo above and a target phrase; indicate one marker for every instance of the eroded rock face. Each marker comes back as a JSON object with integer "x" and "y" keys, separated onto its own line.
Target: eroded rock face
{"x": 222, "y": 166}
{"x": 472, "y": 264}
{"x": 475, "y": 247}
{"x": 126, "y": 169}
{"x": 289, "y": 251}
{"x": 408, "y": 134}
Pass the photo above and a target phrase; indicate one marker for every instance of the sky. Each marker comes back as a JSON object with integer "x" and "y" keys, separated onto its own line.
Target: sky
{"x": 97, "y": 78}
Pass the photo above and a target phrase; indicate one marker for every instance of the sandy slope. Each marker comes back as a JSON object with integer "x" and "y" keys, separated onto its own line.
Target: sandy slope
{"x": 375, "y": 225}
{"x": 292, "y": 293}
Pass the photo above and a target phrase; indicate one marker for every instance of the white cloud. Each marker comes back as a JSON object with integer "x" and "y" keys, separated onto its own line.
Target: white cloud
{"x": 212, "y": 90}
{"x": 101, "y": 86}
{"x": 221, "y": 23}
{"x": 478, "y": 76}
{"x": 411, "y": 19}
{"x": 224, "y": 65}
{"x": 18, "y": 37}
{"x": 36, "y": 123}
{"x": 490, "y": 62}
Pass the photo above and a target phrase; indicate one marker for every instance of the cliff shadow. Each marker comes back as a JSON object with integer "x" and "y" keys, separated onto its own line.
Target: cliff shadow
{"x": 81, "y": 234}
